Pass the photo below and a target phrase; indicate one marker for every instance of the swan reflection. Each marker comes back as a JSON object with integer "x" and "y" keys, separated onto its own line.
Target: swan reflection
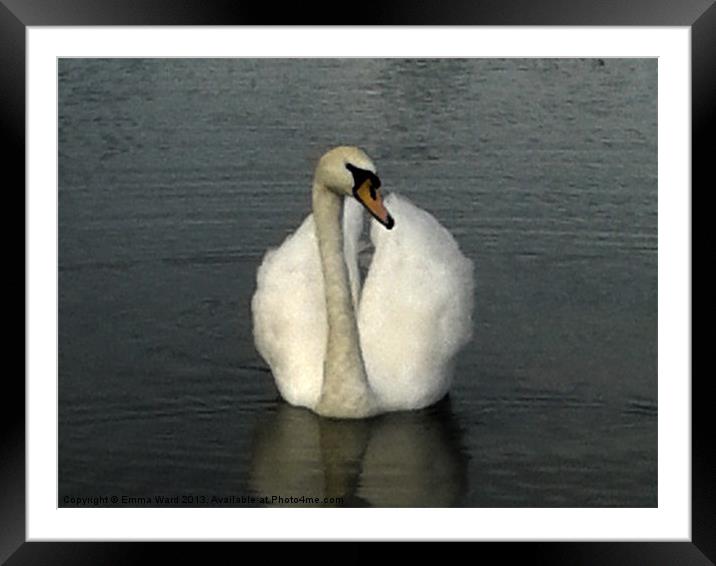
{"x": 410, "y": 459}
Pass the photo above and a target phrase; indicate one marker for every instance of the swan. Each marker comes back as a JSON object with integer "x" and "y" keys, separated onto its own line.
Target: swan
{"x": 346, "y": 352}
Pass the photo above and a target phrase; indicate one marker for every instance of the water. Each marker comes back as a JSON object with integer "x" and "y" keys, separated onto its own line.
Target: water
{"x": 176, "y": 175}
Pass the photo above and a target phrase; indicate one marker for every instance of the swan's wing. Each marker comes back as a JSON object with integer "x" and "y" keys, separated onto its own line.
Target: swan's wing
{"x": 416, "y": 308}
{"x": 289, "y": 309}
{"x": 289, "y": 316}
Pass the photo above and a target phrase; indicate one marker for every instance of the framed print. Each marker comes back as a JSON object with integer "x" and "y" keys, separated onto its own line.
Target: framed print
{"x": 546, "y": 170}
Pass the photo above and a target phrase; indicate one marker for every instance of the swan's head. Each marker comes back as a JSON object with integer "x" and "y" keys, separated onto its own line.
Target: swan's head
{"x": 348, "y": 171}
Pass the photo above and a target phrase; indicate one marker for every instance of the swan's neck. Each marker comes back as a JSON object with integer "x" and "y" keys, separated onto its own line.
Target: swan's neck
{"x": 345, "y": 392}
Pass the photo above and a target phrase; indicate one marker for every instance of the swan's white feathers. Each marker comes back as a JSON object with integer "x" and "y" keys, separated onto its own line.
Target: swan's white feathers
{"x": 289, "y": 314}
{"x": 352, "y": 243}
{"x": 413, "y": 315}
{"x": 415, "y": 308}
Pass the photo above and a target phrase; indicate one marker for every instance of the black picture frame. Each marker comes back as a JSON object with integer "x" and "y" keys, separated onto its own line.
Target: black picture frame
{"x": 17, "y": 15}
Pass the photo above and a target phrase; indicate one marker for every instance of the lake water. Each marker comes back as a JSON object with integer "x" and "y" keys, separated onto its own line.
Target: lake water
{"x": 176, "y": 175}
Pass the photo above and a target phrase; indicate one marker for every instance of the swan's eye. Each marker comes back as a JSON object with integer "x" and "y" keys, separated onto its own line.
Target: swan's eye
{"x": 361, "y": 175}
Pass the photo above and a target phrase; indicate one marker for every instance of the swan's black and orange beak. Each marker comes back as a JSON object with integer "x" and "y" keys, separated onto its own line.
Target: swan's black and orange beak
{"x": 367, "y": 192}
{"x": 369, "y": 196}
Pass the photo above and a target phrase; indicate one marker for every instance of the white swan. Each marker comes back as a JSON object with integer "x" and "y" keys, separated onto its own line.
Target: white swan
{"x": 414, "y": 312}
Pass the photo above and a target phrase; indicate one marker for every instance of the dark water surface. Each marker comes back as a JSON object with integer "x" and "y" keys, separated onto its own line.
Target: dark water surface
{"x": 176, "y": 176}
